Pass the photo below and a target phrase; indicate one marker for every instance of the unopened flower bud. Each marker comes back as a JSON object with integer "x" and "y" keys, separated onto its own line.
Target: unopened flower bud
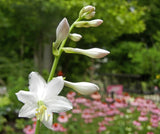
{"x": 93, "y": 52}
{"x": 89, "y": 16}
{"x": 75, "y": 37}
{"x": 84, "y": 88}
{"x": 87, "y": 11}
{"x": 62, "y": 31}
{"x": 92, "y": 23}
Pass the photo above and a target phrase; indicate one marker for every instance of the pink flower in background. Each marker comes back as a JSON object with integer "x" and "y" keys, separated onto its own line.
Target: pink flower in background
{"x": 96, "y": 96}
{"x": 101, "y": 127}
{"x": 136, "y": 123}
{"x": 155, "y": 111}
{"x": 76, "y": 111}
{"x": 142, "y": 118}
{"x": 87, "y": 103}
{"x": 71, "y": 94}
{"x": 29, "y": 130}
{"x": 81, "y": 100}
{"x": 88, "y": 120}
{"x": 150, "y": 133}
{"x": 110, "y": 112}
{"x": 155, "y": 124}
{"x": 143, "y": 113}
{"x": 154, "y": 119}
{"x": 63, "y": 118}
{"x": 109, "y": 100}
{"x": 58, "y": 127}
{"x": 87, "y": 114}
{"x": 108, "y": 119}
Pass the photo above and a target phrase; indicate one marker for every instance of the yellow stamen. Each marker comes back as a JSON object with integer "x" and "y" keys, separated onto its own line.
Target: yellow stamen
{"x": 42, "y": 112}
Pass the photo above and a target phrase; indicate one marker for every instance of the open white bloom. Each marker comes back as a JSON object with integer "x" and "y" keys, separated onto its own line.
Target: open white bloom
{"x": 93, "y": 52}
{"x": 42, "y": 99}
{"x": 85, "y": 88}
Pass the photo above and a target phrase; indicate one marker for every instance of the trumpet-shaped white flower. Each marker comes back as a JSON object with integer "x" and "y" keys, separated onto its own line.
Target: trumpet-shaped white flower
{"x": 85, "y": 88}
{"x": 42, "y": 99}
{"x": 93, "y": 52}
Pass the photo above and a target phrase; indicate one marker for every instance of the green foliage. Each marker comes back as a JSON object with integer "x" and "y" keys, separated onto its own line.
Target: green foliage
{"x": 147, "y": 60}
{"x": 4, "y": 101}
{"x": 2, "y": 121}
{"x": 37, "y": 20}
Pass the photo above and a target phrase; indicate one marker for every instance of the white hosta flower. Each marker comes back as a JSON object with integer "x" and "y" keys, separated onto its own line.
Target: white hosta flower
{"x": 62, "y": 31}
{"x": 93, "y": 52}
{"x": 85, "y": 88}
{"x": 42, "y": 99}
{"x": 75, "y": 37}
{"x": 86, "y": 24}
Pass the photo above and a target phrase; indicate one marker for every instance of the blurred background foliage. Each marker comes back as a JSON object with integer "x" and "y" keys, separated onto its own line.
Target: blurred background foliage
{"x": 131, "y": 32}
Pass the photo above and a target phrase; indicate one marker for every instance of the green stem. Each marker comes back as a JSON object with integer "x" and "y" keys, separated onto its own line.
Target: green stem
{"x": 56, "y": 60}
{"x": 37, "y": 127}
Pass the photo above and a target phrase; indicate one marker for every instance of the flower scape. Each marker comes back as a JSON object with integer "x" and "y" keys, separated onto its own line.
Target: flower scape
{"x": 43, "y": 100}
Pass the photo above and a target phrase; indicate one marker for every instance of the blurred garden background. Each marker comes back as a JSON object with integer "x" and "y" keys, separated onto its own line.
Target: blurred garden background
{"x": 130, "y": 31}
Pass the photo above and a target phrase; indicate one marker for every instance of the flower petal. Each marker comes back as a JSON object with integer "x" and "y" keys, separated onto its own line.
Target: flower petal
{"x": 48, "y": 123}
{"x": 26, "y": 97}
{"x": 36, "y": 83}
{"x": 28, "y": 110}
{"x": 58, "y": 104}
{"x": 54, "y": 87}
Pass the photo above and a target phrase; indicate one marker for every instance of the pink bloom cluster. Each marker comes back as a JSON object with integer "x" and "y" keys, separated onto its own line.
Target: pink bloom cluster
{"x": 91, "y": 109}
{"x": 56, "y": 126}
{"x": 148, "y": 112}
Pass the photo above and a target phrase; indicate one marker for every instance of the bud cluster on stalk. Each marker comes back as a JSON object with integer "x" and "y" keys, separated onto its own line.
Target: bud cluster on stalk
{"x": 63, "y": 32}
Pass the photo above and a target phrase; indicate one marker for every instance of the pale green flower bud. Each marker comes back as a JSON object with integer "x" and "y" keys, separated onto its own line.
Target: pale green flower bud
{"x": 92, "y": 53}
{"x": 75, "y": 37}
{"x": 62, "y": 31}
{"x": 89, "y": 16}
{"x": 86, "y": 12}
{"x": 92, "y": 23}
{"x": 84, "y": 88}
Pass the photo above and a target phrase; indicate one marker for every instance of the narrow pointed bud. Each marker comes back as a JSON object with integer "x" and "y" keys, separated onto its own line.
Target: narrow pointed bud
{"x": 92, "y": 53}
{"x": 75, "y": 37}
{"x": 92, "y": 23}
{"x": 62, "y": 31}
{"x": 84, "y": 88}
{"x": 87, "y": 12}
